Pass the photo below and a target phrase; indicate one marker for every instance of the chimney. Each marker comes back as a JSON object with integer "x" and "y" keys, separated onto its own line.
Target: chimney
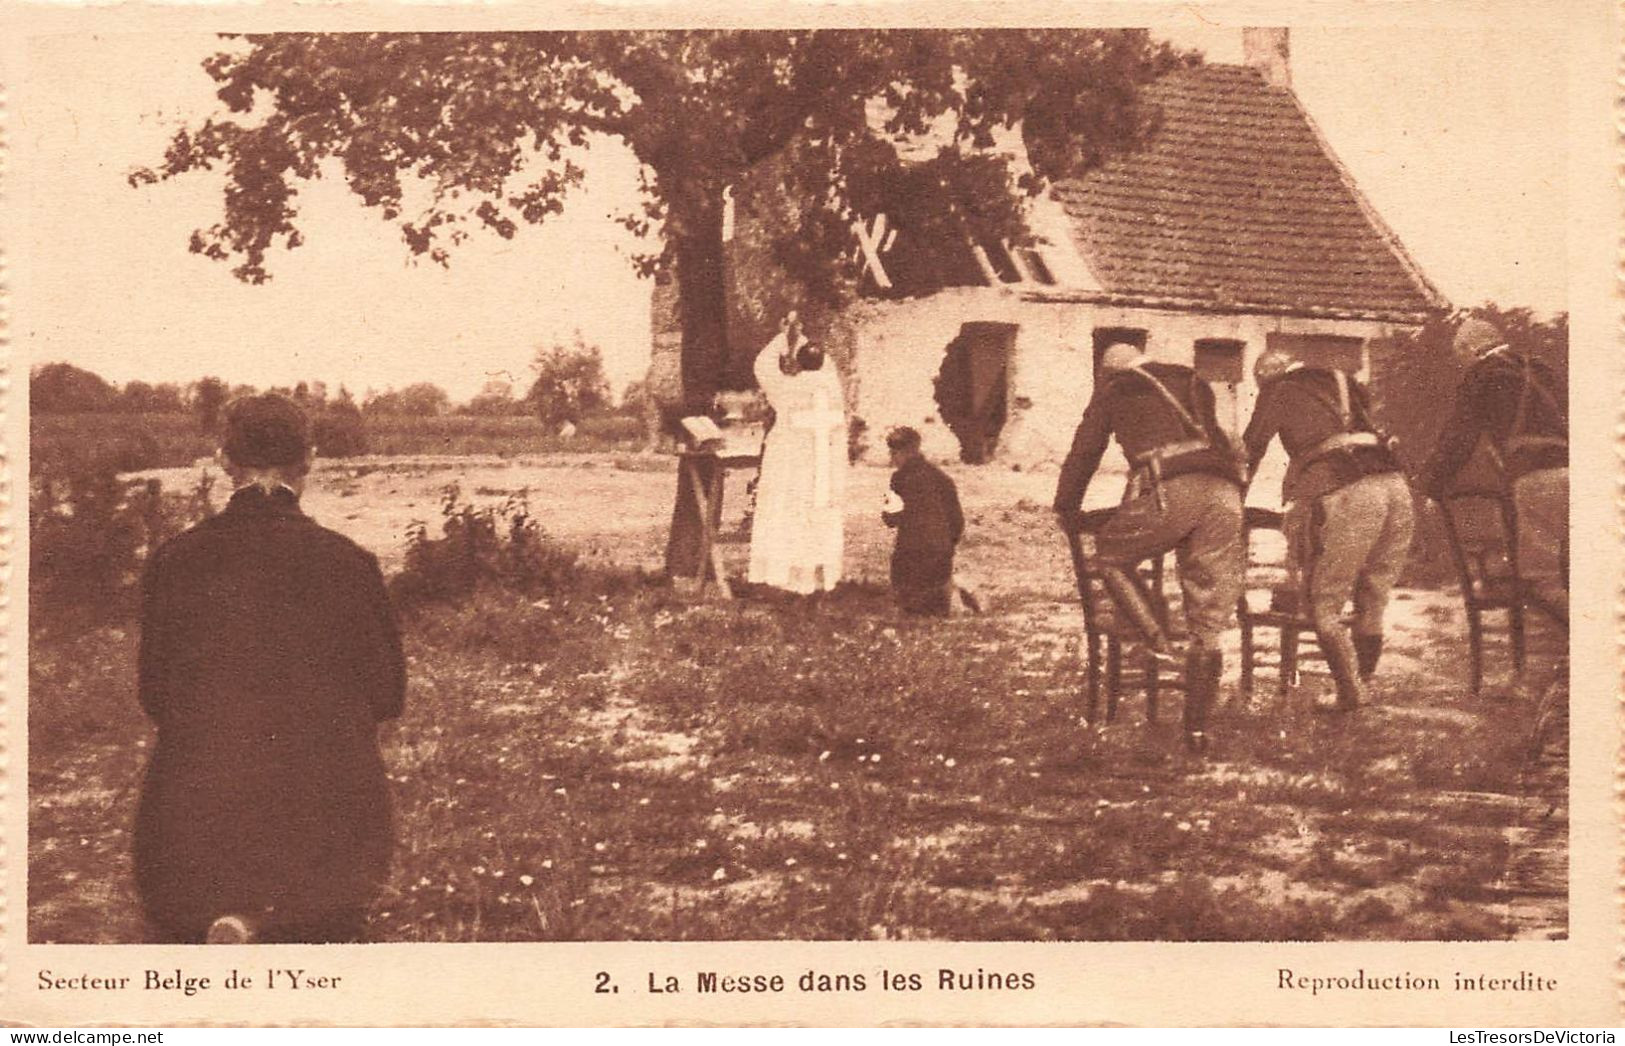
{"x": 1268, "y": 51}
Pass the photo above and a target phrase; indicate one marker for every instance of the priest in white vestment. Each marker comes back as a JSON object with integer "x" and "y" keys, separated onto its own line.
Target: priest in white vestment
{"x": 796, "y": 538}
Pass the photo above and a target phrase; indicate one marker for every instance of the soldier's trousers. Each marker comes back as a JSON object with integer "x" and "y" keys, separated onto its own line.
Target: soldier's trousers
{"x": 1352, "y": 544}
{"x": 1542, "y": 502}
{"x": 1201, "y": 524}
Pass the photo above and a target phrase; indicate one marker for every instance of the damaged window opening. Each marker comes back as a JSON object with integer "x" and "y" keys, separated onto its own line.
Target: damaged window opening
{"x": 973, "y": 387}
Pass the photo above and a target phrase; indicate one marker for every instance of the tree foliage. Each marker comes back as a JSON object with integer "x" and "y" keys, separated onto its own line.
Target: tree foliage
{"x": 495, "y": 400}
{"x": 62, "y": 388}
{"x": 209, "y": 398}
{"x": 570, "y": 382}
{"x": 420, "y": 399}
{"x": 140, "y": 397}
{"x": 337, "y": 428}
{"x": 443, "y": 133}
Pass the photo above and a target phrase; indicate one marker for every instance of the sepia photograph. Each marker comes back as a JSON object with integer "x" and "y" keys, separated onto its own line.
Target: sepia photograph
{"x": 902, "y": 484}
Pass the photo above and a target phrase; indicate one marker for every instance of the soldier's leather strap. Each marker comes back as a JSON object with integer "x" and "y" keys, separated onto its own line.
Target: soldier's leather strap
{"x": 1337, "y": 442}
{"x": 1146, "y": 468}
{"x": 1518, "y": 440}
{"x": 1341, "y": 441}
{"x": 1185, "y": 417}
{"x": 1532, "y": 387}
{"x": 1344, "y": 409}
{"x": 1169, "y": 450}
{"x": 1516, "y": 443}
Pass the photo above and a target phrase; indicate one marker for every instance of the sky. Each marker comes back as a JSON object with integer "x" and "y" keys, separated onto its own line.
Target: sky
{"x": 1456, "y": 139}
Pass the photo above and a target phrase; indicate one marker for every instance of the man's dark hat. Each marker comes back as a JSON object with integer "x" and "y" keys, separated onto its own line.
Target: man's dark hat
{"x": 267, "y": 431}
{"x": 903, "y": 438}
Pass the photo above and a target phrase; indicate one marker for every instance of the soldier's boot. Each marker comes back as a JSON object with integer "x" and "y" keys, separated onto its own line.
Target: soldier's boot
{"x": 1203, "y": 667}
{"x": 1131, "y": 601}
{"x": 1338, "y": 648}
{"x": 1368, "y": 651}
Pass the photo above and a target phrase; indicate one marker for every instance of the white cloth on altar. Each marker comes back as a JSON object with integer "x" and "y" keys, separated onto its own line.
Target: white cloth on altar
{"x": 796, "y": 540}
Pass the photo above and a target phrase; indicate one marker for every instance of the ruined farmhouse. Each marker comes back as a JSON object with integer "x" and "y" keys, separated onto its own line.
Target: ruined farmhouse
{"x": 1232, "y": 228}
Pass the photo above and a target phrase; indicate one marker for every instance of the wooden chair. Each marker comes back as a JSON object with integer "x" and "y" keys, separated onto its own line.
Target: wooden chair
{"x": 1487, "y": 566}
{"x": 1103, "y": 643}
{"x": 1281, "y": 607}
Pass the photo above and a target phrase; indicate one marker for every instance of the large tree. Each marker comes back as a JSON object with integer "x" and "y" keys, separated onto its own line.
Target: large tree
{"x": 570, "y": 382}
{"x": 491, "y": 127}
{"x": 62, "y": 388}
{"x": 443, "y": 133}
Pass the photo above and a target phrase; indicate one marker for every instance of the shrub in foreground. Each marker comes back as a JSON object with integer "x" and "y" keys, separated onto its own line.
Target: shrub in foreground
{"x": 90, "y": 534}
{"x": 494, "y": 545}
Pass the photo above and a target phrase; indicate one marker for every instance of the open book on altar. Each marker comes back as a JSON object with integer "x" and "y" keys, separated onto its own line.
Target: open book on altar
{"x": 702, "y": 433}
{"x": 732, "y": 439}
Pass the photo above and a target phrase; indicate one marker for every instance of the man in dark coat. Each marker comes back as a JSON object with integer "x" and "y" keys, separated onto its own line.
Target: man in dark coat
{"x": 1349, "y": 519}
{"x": 269, "y": 655}
{"x": 924, "y": 510}
{"x": 1515, "y": 402}
{"x": 1184, "y": 496}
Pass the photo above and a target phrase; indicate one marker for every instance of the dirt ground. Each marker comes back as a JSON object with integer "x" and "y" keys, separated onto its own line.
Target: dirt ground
{"x": 620, "y": 505}
{"x": 818, "y": 769}
{"x": 617, "y": 508}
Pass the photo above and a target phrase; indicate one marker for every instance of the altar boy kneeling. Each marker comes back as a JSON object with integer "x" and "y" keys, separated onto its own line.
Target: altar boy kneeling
{"x": 923, "y": 507}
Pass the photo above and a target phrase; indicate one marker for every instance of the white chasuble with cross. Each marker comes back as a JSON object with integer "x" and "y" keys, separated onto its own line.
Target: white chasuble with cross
{"x": 796, "y": 534}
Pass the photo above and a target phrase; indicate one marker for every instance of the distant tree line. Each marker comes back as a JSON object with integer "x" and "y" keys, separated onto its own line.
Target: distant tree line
{"x": 568, "y": 385}
{"x": 62, "y": 388}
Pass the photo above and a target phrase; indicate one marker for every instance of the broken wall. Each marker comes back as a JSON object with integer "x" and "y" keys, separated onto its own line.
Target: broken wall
{"x": 897, "y": 349}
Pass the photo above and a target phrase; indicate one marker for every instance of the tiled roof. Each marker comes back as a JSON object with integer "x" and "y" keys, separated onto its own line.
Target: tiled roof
{"x": 1234, "y": 200}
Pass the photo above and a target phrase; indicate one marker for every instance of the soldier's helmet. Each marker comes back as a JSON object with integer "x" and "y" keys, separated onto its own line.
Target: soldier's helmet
{"x": 1121, "y": 356}
{"x": 1475, "y": 337}
{"x": 1271, "y": 364}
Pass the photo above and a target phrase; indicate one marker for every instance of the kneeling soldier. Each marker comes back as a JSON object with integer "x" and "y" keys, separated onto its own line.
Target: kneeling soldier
{"x": 1349, "y": 519}
{"x": 1184, "y": 495}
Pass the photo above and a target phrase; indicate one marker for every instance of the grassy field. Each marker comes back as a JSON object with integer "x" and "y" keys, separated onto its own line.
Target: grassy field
{"x": 617, "y": 763}
{"x": 150, "y": 441}
{"x": 132, "y": 441}
{"x": 462, "y": 436}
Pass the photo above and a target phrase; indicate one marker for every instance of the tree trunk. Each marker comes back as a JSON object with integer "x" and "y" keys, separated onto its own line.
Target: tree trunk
{"x": 695, "y": 220}
{"x": 702, "y": 303}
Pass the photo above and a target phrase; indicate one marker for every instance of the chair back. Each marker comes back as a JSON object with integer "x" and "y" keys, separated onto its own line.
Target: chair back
{"x": 1080, "y": 532}
{"x": 1482, "y": 529}
{"x": 1268, "y": 563}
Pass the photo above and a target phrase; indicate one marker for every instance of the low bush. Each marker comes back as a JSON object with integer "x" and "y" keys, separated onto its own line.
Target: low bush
{"x": 339, "y": 432}
{"x": 857, "y": 440}
{"x": 61, "y": 445}
{"x": 496, "y": 545}
{"x": 613, "y": 429}
{"x": 90, "y": 534}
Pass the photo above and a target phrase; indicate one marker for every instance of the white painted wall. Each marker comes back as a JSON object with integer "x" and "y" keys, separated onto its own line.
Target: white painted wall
{"x": 898, "y": 348}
